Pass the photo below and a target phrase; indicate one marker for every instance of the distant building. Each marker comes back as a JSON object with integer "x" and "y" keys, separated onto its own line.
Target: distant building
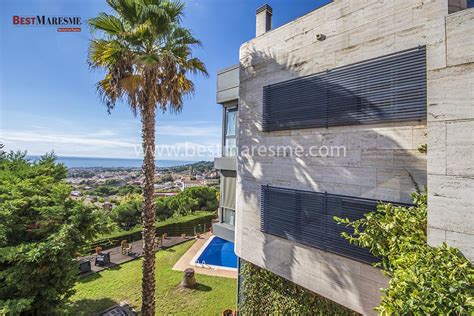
{"x": 192, "y": 183}
{"x": 184, "y": 184}
{"x": 166, "y": 193}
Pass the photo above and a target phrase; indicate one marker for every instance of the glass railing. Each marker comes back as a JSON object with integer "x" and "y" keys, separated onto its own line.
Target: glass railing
{"x": 228, "y": 216}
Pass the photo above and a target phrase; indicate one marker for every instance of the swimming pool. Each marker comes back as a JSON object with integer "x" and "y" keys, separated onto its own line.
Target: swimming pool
{"x": 217, "y": 253}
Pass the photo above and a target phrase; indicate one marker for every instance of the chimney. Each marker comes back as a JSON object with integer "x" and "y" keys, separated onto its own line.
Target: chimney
{"x": 264, "y": 19}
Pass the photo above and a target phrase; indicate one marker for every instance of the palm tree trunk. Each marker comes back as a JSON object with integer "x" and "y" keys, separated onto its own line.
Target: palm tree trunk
{"x": 148, "y": 213}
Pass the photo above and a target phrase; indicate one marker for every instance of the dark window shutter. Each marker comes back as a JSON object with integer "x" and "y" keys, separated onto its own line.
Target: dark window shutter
{"x": 308, "y": 218}
{"x": 384, "y": 89}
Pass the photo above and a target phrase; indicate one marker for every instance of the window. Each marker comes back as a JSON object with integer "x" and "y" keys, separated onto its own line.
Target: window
{"x": 384, "y": 89}
{"x": 308, "y": 218}
{"x": 228, "y": 199}
{"x": 230, "y": 146}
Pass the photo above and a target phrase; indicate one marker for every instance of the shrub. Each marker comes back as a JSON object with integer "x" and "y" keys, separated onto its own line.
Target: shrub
{"x": 128, "y": 213}
{"x": 187, "y": 202}
{"x": 196, "y": 199}
{"x": 41, "y": 230}
{"x": 129, "y": 189}
{"x": 165, "y": 207}
{"x": 265, "y": 293}
{"x": 424, "y": 280}
{"x": 168, "y": 177}
{"x": 198, "y": 222}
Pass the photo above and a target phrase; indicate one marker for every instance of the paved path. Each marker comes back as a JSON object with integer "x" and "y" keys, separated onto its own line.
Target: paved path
{"x": 185, "y": 261}
{"x": 117, "y": 258}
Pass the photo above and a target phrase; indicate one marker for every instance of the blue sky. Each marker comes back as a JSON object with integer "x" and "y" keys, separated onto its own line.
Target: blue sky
{"x": 47, "y": 94}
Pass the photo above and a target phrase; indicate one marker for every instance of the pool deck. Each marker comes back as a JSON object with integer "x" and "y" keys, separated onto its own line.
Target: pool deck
{"x": 184, "y": 262}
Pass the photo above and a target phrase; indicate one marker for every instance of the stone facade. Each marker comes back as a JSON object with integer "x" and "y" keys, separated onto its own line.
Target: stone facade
{"x": 379, "y": 158}
{"x": 451, "y": 139}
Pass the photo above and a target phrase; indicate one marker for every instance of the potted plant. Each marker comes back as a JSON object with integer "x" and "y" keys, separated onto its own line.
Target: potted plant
{"x": 98, "y": 250}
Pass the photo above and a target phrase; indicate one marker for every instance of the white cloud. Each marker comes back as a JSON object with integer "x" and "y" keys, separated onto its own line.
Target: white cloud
{"x": 14, "y": 136}
{"x": 173, "y": 143}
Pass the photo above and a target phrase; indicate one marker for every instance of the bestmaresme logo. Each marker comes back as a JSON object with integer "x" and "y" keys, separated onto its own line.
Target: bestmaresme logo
{"x": 62, "y": 23}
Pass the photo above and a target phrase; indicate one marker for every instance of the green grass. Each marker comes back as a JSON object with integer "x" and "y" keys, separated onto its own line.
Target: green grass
{"x": 99, "y": 291}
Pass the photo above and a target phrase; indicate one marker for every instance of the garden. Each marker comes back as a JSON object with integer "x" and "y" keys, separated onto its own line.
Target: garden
{"x": 100, "y": 291}
{"x": 43, "y": 231}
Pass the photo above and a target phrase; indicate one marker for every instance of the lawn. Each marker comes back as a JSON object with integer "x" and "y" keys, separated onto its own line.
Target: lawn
{"x": 99, "y": 291}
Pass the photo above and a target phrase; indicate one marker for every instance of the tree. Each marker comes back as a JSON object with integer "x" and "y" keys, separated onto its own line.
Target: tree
{"x": 196, "y": 199}
{"x": 147, "y": 58}
{"x": 127, "y": 214}
{"x": 187, "y": 202}
{"x": 41, "y": 230}
{"x": 164, "y": 207}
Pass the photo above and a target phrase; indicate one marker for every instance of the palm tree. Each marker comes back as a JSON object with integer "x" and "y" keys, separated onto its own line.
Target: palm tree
{"x": 147, "y": 58}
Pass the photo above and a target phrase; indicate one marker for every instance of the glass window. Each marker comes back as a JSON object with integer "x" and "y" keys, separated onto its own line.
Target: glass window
{"x": 228, "y": 200}
{"x": 230, "y": 146}
{"x": 228, "y": 216}
{"x": 231, "y": 118}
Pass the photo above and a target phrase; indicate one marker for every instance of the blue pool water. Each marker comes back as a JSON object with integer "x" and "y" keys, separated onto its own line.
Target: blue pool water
{"x": 219, "y": 252}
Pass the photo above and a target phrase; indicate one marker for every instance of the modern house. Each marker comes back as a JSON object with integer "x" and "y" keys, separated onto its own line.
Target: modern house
{"x": 379, "y": 81}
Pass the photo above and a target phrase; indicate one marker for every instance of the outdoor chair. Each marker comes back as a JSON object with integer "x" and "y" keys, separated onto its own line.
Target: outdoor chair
{"x": 102, "y": 259}
{"x": 127, "y": 250}
{"x": 84, "y": 266}
{"x": 159, "y": 241}
{"x": 125, "y": 247}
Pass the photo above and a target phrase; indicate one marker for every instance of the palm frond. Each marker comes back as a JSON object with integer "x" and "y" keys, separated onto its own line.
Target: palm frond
{"x": 131, "y": 84}
{"x": 105, "y": 53}
{"x": 128, "y": 10}
{"x": 196, "y": 66}
{"x": 174, "y": 9}
{"x": 146, "y": 53}
{"x": 107, "y": 23}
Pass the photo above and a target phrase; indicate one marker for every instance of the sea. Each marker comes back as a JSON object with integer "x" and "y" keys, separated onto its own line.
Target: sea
{"x": 89, "y": 162}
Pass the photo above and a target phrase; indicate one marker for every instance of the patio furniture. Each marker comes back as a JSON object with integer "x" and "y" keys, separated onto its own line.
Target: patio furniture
{"x": 159, "y": 241}
{"x": 102, "y": 259}
{"x": 126, "y": 247}
{"x": 98, "y": 249}
{"x": 128, "y": 250}
{"x": 84, "y": 266}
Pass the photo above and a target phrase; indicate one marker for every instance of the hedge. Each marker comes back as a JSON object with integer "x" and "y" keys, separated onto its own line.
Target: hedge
{"x": 198, "y": 222}
{"x": 265, "y": 293}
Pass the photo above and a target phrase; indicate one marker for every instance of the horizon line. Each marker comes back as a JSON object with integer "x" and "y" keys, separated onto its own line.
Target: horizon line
{"x": 127, "y": 158}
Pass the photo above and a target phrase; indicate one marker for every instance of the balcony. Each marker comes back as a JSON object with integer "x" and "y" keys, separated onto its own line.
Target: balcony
{"x": 224, "y": 231}
{"x": 228, "y": 84}
{"x": 225, "y": 163}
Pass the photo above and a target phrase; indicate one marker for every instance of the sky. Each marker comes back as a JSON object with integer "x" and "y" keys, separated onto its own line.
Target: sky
{"x": 48, "y": 100}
